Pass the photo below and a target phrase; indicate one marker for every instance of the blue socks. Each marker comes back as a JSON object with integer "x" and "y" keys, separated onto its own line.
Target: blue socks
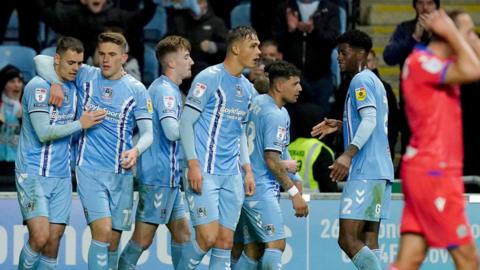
{"x": 176, "y": 251}
{"x": 98, "y": 255}
{"x": 130, "y": 255}
{"x": 46, "y": 263}
{"x": 191, "y": 257}
{"x": 28, "y": 258}
{"x": 365, "y": 259}
{"x": 220, "y": 259}
{"x": 245, "y": 263}
{"x": 113, "y": 260}
{"x": 272, "y": 259}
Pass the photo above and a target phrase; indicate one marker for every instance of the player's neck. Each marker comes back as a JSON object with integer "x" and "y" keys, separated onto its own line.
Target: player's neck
{"x": 232, "y": 66}
{"x": 277, "y": 98}
{"x": 440, "y": 48}
{"x": 361, "y": 67}
{"x": 173, "y": 77}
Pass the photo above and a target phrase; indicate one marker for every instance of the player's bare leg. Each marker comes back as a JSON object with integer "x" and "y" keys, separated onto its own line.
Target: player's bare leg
{"x": 413, "y": 249}
{"x": 465, "y": 257}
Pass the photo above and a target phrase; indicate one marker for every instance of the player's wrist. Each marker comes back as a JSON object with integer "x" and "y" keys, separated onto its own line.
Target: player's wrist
{"x": 192, "y": 163}
{"x": 293, "y": 191}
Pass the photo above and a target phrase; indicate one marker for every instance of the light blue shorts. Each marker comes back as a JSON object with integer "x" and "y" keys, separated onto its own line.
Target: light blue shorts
{"x": 221, "y": 199}
{"x": 261, "y": 221}
{"x": 367, "y": 200}
{"x": 40, "y": 196}
{"x": 105, "y": 194}
{"x": 159, "y": 205}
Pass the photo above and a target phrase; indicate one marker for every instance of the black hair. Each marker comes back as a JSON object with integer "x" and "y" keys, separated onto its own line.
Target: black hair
{"x": 281, "y": 69}
{"x": 66, "y": 43}
{"x": 357, "y": 39}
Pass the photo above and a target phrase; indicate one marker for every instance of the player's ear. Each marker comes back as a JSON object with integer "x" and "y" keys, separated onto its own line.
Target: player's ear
{"x": 124, "y": 58}
{"x": 56, "y": 59}
{"x": 235, "y": 49}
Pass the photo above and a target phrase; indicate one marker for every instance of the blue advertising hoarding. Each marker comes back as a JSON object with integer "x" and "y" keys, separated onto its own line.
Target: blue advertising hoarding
{"x": 311, "y": 243}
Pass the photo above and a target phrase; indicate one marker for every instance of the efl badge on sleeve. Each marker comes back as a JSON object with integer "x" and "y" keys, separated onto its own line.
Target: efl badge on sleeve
{"x": 281, "y": 133}
{"x": 40, "y": 94}
{"x": 149, "y": 105}
{"x": 199, "y": 90}
{"x": 169, "y": 102}
{"x": 360, "y": 93}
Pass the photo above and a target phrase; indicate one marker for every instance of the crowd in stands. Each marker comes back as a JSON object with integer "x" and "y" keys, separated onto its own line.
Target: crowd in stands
{"x": 302, "y": 32}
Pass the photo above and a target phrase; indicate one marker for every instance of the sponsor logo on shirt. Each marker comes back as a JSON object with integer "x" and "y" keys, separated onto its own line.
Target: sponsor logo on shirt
{"x": 361, "y": 93}
{"x": 432, "y": 65}
{"x": 169, "y": 102}
{"x": 40, "y": 94}
{"x": 199, "y": 90}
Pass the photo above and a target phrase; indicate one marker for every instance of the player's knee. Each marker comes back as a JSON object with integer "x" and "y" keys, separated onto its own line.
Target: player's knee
{"x": 207, "y": 240}
{"x": 182, "y": 236}
{"x": 38, "y": 240}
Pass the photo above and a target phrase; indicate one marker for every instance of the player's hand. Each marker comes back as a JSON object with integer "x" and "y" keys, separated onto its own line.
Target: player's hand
{"x": 194, "y": 176}
{"x": 56, "y": 95}
{"x": 92, "y": 118}
{"x": 291, "y": 165}
{"x": 326, "y": 127}
{"x": 129, "y": 158}
{"x": 249, "y": 184}
{"x": 439, "y": 23}
{"x": 340, "y": 167}
{"x": 299, "y": 205}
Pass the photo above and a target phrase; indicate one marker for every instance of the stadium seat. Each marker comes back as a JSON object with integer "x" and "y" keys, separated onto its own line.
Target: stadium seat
{"x": 19, "y": 56}
{"x": 240, "y": 15}
{"x": 49, "y": 51}
{"x": 157, "y": 27}
{"x": 150, "y": 66}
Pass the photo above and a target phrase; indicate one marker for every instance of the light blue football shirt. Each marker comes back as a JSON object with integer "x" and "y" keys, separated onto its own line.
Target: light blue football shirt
{"x": 125, "y": 101}
{"x": 268, "y": 129}
{"x": 159, "y": 164}
{"x": 51, "y": 159}
{"x": 223, "y": 101}
{"x": 373, "y": 161}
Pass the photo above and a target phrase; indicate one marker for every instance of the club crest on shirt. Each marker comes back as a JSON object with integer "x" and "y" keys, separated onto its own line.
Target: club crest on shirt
{"x": 169, "y": 102}
{"x": 202, "y": 212}
{"x": 199, "y": 90}
{"x": 149, "y": 105}
{"x": 40, "y": 94}
{"x": 238, "y": 91}
{"x": 281, "y": 133}
{"x": 107, "y": 92}
{"x": 361, "y": 93}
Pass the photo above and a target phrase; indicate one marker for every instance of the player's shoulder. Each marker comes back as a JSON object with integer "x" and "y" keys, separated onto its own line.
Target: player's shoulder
{"x": 162, "y": 86}
{"x": 422, "y": 59}
{"x": 210, "y": 75}
{"x": 133, "y": 83}
{"x": 37, "y": 82}
{"x": 366, "y": 79}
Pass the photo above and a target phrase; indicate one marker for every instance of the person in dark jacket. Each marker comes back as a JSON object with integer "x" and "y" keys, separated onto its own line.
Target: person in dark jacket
{"x": 401, "y": 44}
{"x": 87, "y": 21}
{"x": 306, "y": 31}
{"x": 207, "y": 33}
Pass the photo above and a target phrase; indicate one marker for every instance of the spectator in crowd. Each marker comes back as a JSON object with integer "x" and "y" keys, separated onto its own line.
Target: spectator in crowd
{"x": 223, "y": 8}
{"x": 306, "y": 31}
{"x": 269, "y": 49}
{"x": 88, "y": 20}
{"x": 206, "y": 32}
{"x": 406, "y": 35}
{"x": 28, "y": 20}
{"x": 11, "y": 87}
{"x": 393, "y": 112}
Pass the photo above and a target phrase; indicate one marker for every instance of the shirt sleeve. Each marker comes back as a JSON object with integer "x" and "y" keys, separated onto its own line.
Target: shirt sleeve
{"x": 275, "y": 133}
{"x": 143, "y": 108}
{"x": 362, "y": 93}
{"x": 37, "y": 95}
{"x": 166, "y": 103}
{"x": 427, "y": 69}
{"x": 202, "y": 88}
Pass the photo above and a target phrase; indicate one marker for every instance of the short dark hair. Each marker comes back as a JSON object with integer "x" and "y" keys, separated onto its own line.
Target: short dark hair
{"x": 113, "y": 37}
{"x": 240, "y": 33}
{"x": 269, "y": 42}
{"x": 357, "y": 39}
{"x": 171, "y": 44}
{"x": 66, "y": 43}
{"x": 281, "y": 69}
